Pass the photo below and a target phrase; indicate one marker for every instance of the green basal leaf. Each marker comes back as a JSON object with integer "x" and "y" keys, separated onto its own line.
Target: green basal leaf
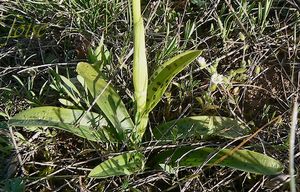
{"x": 3, "y": 125}
{"x": 78, "y": 122}
{"x": 14, "y": 185}
{"x": 199, "y": 126}
{"x": 125, "y": 164}
{"x": 163, "y": 76}
{"x": 243, "y": 160}
{"x": 108, "y": 99}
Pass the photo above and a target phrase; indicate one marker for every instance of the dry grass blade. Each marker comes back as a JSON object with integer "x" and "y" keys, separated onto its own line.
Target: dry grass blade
{"x": 294, "y": 126}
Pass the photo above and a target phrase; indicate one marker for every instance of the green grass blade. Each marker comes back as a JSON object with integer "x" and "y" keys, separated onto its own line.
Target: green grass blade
{"x": 243, "y": 160}
{"x": 198, "y": 126}
{"x": 108, "y": 99}
{"x": 70, "y": 84}
{"x": 163, "y": 76}
{"x": 125, "y": 164}
{"x": 78, "y": 122}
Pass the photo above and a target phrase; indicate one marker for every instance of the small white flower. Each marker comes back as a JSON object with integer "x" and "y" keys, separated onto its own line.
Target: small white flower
{"x": 201, "y": 61}
{"x": 217, "y": 78}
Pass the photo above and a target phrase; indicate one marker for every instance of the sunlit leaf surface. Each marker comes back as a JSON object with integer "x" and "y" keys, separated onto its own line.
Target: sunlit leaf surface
{"x": 125, "y": 164}
{"x": 199, "y": 126}
{"x": 244, "y": 160}
{"x": 84, "y": 124}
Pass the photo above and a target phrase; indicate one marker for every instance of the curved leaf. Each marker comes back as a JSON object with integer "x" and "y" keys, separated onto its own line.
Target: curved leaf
{"x": 243, "y": 160}
{"x": 163, "y": 76}
{"x": 74, "y": 121}
{"x": 125, "y": 164}
{"x": 108, "y": 99}
{"x": 198, "y": 126}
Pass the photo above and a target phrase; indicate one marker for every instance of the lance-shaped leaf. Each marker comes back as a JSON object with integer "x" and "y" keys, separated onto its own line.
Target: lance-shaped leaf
{"x": 198, "y": 126}
{"x": 108, "y": 99}
{"x": 125, "y": 164}
{"x": 243, "y": 160}
{"x": 78, "y": 122}
{"x": 163, "y": 76}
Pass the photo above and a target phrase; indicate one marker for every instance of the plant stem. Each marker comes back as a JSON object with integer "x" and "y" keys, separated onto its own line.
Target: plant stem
{"x": 292, "y": 144}
{"x": 140, "y": 71}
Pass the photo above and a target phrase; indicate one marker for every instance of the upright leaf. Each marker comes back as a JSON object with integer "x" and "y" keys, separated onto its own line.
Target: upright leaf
{"x": 108, "y": 99}
{"x": 163, "y": 76}
{"x": 78, "y": 122}
{"x": 140, "y": 70}
{"x": 244, "y": 160}
{"x": 198, "y": 126}
{"x": 125, "y": 164}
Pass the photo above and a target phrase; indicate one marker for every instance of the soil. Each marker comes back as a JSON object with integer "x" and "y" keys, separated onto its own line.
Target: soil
{"x": 270, "y": 88}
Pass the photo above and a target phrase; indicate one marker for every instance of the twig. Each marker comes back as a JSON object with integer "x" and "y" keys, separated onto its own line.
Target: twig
{"x": 17, "y": 151}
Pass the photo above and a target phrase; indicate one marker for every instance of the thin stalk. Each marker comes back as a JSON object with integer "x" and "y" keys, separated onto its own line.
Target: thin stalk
{"x": 140, "y": 71}
{"x": 17, "y": 151}
{"x": 292, "y": 144}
